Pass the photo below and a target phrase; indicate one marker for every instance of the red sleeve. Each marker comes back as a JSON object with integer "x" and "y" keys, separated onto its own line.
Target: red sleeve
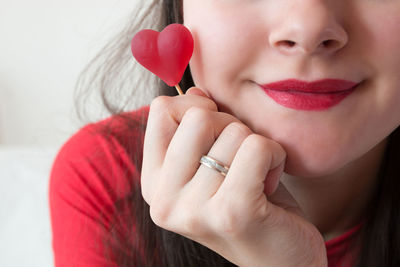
{"x": 91, "y": 172}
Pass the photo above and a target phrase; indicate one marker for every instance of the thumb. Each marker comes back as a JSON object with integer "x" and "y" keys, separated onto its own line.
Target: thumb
{"x": 196, "y": 91}
{"x": 282, "y": 198}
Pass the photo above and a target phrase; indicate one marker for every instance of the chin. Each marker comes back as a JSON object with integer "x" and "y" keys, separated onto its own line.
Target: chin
{"x": 315, "y": 162}
{"x": 309, "y": 169}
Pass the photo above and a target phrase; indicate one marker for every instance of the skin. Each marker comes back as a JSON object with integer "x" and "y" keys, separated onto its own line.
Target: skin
{"x": 330, "y": 158}
{"x": 323, "y": 147}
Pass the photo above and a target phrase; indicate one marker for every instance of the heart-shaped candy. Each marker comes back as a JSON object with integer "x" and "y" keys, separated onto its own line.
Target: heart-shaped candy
{"x": 166, "y": 53}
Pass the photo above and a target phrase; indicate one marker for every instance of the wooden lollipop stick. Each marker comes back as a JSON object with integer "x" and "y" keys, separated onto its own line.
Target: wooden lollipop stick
{"x": 178, "y": 88}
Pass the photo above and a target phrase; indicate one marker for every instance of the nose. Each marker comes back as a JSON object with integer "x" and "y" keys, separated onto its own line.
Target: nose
{"x": 309, "y": 27}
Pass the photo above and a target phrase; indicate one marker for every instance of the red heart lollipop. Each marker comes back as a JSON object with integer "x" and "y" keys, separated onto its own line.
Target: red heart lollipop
{"x": 165, "y": 54}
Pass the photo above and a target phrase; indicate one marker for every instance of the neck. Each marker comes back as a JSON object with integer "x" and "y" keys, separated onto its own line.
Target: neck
{"x": 337, "y": 202}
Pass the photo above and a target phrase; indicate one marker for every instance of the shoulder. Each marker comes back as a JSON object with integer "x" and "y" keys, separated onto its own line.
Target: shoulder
{"x": 117, "y": 131}
{"x": 97, "y": 168}
{"x": 100, "y": 160}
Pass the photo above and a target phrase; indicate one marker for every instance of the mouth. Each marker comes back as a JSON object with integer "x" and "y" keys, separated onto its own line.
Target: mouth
{"x": 311, "y": 96}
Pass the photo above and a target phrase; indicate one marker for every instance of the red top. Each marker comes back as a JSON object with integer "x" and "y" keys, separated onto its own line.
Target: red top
{"x": 90, "y": 173}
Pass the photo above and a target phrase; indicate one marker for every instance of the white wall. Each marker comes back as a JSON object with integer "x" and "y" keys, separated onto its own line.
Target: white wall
{"x": 44, "y": 44}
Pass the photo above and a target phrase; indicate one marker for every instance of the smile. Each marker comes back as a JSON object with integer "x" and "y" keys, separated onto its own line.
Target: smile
{"x": 312, "y": 96}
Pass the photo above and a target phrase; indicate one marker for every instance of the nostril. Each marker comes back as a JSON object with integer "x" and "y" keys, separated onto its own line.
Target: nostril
{"x": 328, "y": 43}
{"x": 286, "y": 43}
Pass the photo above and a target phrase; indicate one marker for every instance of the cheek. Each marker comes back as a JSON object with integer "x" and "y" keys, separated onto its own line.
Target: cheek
{"x": 384, "y": 51}
{"x": 381, "y": 38}
{"x": 387, "y": 48}
{"x": 222, "y": 49}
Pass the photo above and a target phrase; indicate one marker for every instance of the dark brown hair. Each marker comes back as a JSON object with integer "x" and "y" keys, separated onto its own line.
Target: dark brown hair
{"x": 380, "y": 235}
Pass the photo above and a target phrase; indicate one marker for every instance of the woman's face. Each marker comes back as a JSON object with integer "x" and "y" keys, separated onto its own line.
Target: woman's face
{"x": 242, "y": 44}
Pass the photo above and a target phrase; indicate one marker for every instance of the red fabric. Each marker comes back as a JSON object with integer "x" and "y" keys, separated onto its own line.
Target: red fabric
{"x": 90, "y": 173}
{"x": 337, "y": 248}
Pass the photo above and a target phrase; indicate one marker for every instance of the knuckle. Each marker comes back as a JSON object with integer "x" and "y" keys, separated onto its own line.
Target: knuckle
{"x": 257, "y": 142}
{"x": 190, "y": 223}
{"x": 206, "y": 102}
{"x": 145, "y": 194}
{"x": 238, "y": 130}
{"x": 227, "y": 222}
{"x": 145, "y": 185}
{"x": 190, "y": 219}
{"x": 179, "y": 218}
{"x": 197, "y": 114}
{"x": 160, "y": 213}
{"x": 261, "y": 145}
{"x": 211, "y": 105}
{"x": 161, "y": 103}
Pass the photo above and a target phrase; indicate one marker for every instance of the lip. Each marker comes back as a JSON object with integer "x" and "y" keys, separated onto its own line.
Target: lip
{"x": 317, "y": 95}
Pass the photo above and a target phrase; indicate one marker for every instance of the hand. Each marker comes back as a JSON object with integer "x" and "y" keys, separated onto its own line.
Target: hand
{"x": 248, "y": 217}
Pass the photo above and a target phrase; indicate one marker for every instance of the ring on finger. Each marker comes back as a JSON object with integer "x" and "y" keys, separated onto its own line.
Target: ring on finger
{"x": 214, "y": 164}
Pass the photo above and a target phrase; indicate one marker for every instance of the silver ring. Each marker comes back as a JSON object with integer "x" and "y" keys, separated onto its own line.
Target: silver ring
{"x": 214, "y": 164}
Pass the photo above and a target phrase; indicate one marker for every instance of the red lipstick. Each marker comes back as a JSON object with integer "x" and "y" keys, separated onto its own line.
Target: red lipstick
{"x": 318, "y": 95}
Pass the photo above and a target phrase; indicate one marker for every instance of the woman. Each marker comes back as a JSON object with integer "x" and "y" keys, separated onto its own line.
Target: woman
{"x": 298, "y": 99}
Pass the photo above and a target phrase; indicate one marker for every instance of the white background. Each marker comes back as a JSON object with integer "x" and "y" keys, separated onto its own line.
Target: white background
{"x": 44, "y": 44}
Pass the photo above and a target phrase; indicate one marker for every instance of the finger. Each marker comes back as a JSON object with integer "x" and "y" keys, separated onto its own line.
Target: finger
{"x": 207, "y": 181}
{"x": 194, "y": 137}
{"x": 272, "y": 181}
{"x": 282, "y": 198}
{"x": 196, "y": 91}
{"x": 254, "y": 159}
{"x": 164, "y": 117}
